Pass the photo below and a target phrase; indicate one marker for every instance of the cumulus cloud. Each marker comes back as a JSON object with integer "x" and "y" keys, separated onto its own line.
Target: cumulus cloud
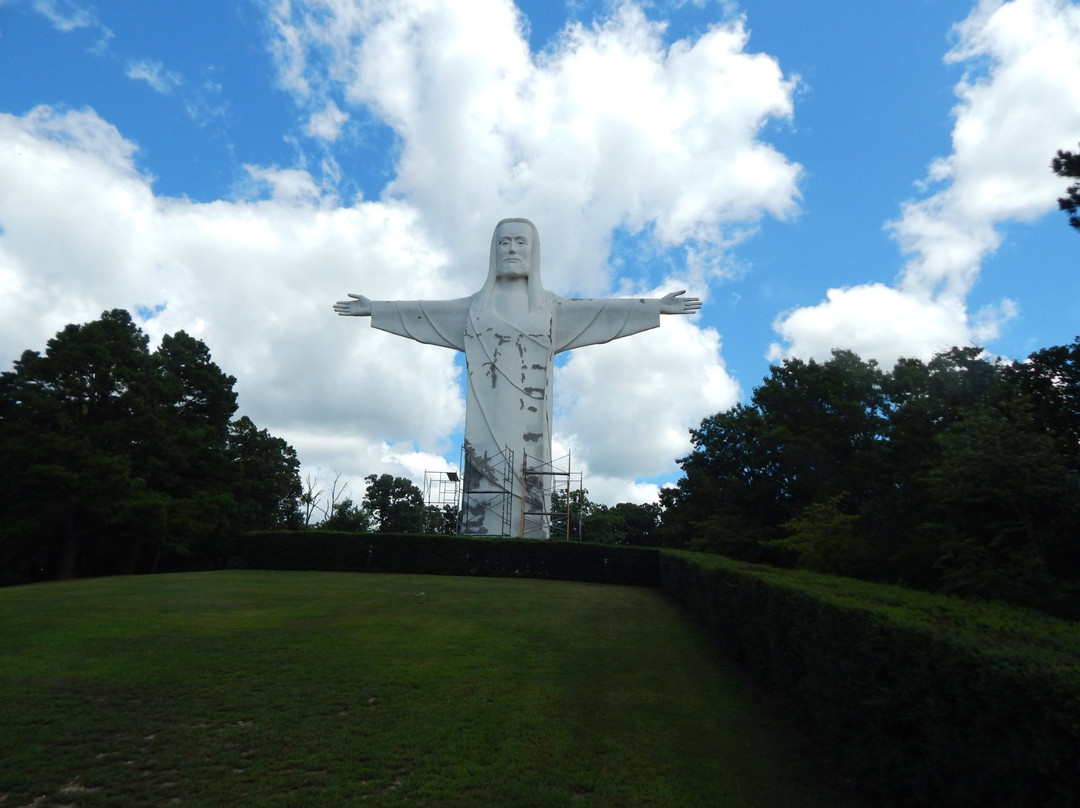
{"x": 628, "y": 404}
{"x": 83, "y": 232}
{"x": 1018, "y": 103}
{"x": 876, "y": 321}
{"x": 609, "y": 128}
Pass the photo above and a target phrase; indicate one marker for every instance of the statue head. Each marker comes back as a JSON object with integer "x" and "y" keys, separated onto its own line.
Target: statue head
{"x": 515, "y": 253}
{"x": 513, "y": 240}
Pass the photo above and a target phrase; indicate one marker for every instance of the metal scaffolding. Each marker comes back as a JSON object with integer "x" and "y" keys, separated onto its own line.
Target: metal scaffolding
{"x": 443, "y": 489}
{"x": 489, "y": 488}
{"x": 539, "y": 482}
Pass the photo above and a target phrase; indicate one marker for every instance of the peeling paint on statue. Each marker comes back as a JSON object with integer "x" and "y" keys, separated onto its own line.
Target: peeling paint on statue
{"x": 508, "y": 416}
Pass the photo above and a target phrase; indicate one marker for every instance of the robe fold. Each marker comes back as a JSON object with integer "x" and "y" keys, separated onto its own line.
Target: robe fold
{"x": 508, "y": 410}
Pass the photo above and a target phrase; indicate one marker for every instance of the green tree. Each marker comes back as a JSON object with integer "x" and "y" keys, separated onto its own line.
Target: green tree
{"x": 959, "y": 474}
{"x": 265, "y": 478}
{"x": 1050, "y": 379}
{"x": 1001, "y": 498}
{"x": 624, "y": 523}
{"x": 395, "y": 505}
{"x": 1050, "y": 382}
{"x": 445, "y": 520}
{"x": 812, "y": 433}
{"x": 569, "y": 509}
{"x": 348, "y": 518}
{"x": 826, "y": 539}
{"x": 924, "y": 399}
{"x": 725, "y": 500}
{"x": 107, "y": 450}
{"x": 186, "y": 466}
{"x": 1067, "y": 164}
{"x": 69, "y": 424}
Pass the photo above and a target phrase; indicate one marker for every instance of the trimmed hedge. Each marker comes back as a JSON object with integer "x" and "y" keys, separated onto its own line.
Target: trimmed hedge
{"x": 925, "y": 700}
{"x": 448, "y": 555}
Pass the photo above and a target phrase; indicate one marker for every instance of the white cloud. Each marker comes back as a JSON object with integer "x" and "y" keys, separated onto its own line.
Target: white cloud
{"x": 874, "y": 320}
{"x": 290, "y": 185}
{"x": 65, "y": 15}
{"x": 153, "y": 73}
{"x": 255, "y": 280}
{"x": 1019, "y": 102}
{"x": 612, "y": 490}
{"x": 608, "y": 128}
{"x": 327, "y": 123}
{"x": 630, "y": 404}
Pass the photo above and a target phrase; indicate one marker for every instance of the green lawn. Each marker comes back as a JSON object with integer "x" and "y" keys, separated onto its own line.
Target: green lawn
{"x": 340, "y": 689}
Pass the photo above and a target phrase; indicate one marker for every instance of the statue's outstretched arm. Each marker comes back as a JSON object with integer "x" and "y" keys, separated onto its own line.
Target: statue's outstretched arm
{"x": 359, "y": 306}
{"x": 673, "y": 304}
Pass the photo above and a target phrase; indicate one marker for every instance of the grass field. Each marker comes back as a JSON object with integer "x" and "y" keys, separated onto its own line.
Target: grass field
{"x": 335, "y": 689}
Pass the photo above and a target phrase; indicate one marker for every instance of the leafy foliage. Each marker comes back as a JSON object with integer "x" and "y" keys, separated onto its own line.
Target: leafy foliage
{"x": 113, "y": 458}
{"x": 265, "y": 477}
{"x": 958, "y": 474}
{"x": 396, "y": 505}
{"x": 625, "y": 523}
{"x": 348, "y": 518}
{"x": 568, "y": 512}
{"x": 1067, "y": 164}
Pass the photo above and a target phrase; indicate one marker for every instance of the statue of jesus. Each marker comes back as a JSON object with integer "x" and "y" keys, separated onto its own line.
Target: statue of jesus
{"x": 510, "y": 332}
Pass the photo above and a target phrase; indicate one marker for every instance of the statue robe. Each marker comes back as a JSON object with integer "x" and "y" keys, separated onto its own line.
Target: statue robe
{"x": 508, "y": 409}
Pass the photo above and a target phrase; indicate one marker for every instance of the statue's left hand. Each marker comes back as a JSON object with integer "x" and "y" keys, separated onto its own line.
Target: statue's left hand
{"x": 359, "y": 306}
{"x": 673, "y": 304}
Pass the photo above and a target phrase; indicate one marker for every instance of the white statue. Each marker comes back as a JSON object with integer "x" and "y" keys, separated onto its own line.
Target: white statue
{"x": 510, "y": 332}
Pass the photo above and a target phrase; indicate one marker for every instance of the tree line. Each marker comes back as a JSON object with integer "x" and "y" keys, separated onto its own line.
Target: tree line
{"x": 113, "y": 457}
{"x": 396, "y": 505}
{"x": 389, "y": 505}
{"x": 960, "y": 475}
{"x": 117, "y": 459}
{"x": 575, "y": 516}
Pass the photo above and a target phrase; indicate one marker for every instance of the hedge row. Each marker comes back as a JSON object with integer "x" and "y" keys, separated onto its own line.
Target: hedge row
{"x": 925, "y": 700}
{"x": 448, "y": 555}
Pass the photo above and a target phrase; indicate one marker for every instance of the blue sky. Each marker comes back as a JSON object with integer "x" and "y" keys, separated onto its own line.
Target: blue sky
{"x": 822, "y": 175}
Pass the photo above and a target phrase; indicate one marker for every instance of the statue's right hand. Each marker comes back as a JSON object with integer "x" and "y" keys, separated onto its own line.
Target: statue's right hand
{"x": 359, "y": 306}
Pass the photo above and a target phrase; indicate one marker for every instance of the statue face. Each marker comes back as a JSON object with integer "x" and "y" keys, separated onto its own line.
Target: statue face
{"x": 513, "y": 250}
